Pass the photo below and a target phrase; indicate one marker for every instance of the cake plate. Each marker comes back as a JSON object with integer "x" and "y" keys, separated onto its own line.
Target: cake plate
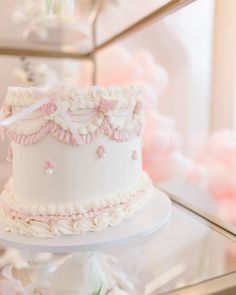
{"x": 149, "y": 220}
{"x": 81, "y": 250}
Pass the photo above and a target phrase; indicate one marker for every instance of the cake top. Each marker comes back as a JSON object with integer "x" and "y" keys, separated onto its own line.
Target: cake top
{"x": 72, "y": 114}
{"x": 77, "y": 98}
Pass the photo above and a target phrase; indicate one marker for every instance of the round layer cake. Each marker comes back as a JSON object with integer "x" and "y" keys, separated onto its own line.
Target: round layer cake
{"x": 77, "y": 159}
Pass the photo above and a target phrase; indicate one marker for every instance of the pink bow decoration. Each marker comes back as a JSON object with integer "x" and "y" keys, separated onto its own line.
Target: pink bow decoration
{"x": 25, "y": 112}
{"x": 48, "y": 104}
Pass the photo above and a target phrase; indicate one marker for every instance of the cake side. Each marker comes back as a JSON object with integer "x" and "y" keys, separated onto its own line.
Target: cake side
{"x": 51, "y": 172}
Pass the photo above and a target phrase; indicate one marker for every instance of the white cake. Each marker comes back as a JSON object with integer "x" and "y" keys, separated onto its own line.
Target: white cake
{"x": 77, "y": 159}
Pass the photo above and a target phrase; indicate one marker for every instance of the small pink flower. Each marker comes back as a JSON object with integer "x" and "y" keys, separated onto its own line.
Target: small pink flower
{"x": 105, "y": 106}
{"x": 9, "y": 155}
{"x": 49, "y": 167}
{"x": 101, "y": 152}
{"x": 134, "y": 155}
{"x": 49, "y": 108}
{"x": 138, "y": 107}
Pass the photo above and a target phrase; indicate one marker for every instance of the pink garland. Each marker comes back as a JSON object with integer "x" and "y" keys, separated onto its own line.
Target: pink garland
{"x": 91, "y": 213}
{"x": 66, "y": 136}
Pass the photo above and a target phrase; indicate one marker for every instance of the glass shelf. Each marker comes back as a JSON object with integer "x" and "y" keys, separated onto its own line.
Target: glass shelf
{"x": 199, "y": 199}
{"x": 74, "y": 40}
{"x": 185, "y": 252}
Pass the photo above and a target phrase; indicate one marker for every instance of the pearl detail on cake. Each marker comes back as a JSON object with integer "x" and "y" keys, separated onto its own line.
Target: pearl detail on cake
{"x": 135, "y": 155}
{"x": 49, "y": 167}
{"x": 101, "y": 152}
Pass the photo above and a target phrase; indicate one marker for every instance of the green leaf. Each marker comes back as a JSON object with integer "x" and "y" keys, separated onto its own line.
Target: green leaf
{"x": 98, "y": 292}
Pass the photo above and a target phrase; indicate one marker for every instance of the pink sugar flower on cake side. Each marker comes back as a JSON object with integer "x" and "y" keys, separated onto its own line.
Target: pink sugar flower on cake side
{"x": 101, "y": 152}
{"x": 9, "y": 155}
{"x": 49, "y": 167}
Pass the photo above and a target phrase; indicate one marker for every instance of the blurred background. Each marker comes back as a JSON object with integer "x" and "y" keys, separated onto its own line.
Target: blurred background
{"x": 186, "y": 65}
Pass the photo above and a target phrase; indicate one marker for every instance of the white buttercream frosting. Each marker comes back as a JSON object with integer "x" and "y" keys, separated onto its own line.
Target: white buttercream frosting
{"x": 76, "y": 97}
{"x": 81, "y": 105}
{"x": 52, "y": 220}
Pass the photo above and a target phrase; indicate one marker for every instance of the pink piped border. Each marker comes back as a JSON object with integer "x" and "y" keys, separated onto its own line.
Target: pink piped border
{"x": 77, "y": 218}
{"x": 65, "y": 136}
{"x": 90, "y": 213}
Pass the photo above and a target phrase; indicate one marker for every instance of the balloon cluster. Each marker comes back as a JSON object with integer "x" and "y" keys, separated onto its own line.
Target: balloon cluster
{"x": 219, "y": 156}
{"x": 163, "y": 156}
{"x": 118, "y": 66}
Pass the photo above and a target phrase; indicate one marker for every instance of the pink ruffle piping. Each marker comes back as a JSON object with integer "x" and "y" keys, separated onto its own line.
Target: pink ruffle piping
{"x": 65, "y": 136}
{"x": 91, "y": 213}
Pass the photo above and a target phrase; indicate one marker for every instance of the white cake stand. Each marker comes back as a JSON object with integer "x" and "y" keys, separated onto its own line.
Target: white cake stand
{"x": 148, "y": 221}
